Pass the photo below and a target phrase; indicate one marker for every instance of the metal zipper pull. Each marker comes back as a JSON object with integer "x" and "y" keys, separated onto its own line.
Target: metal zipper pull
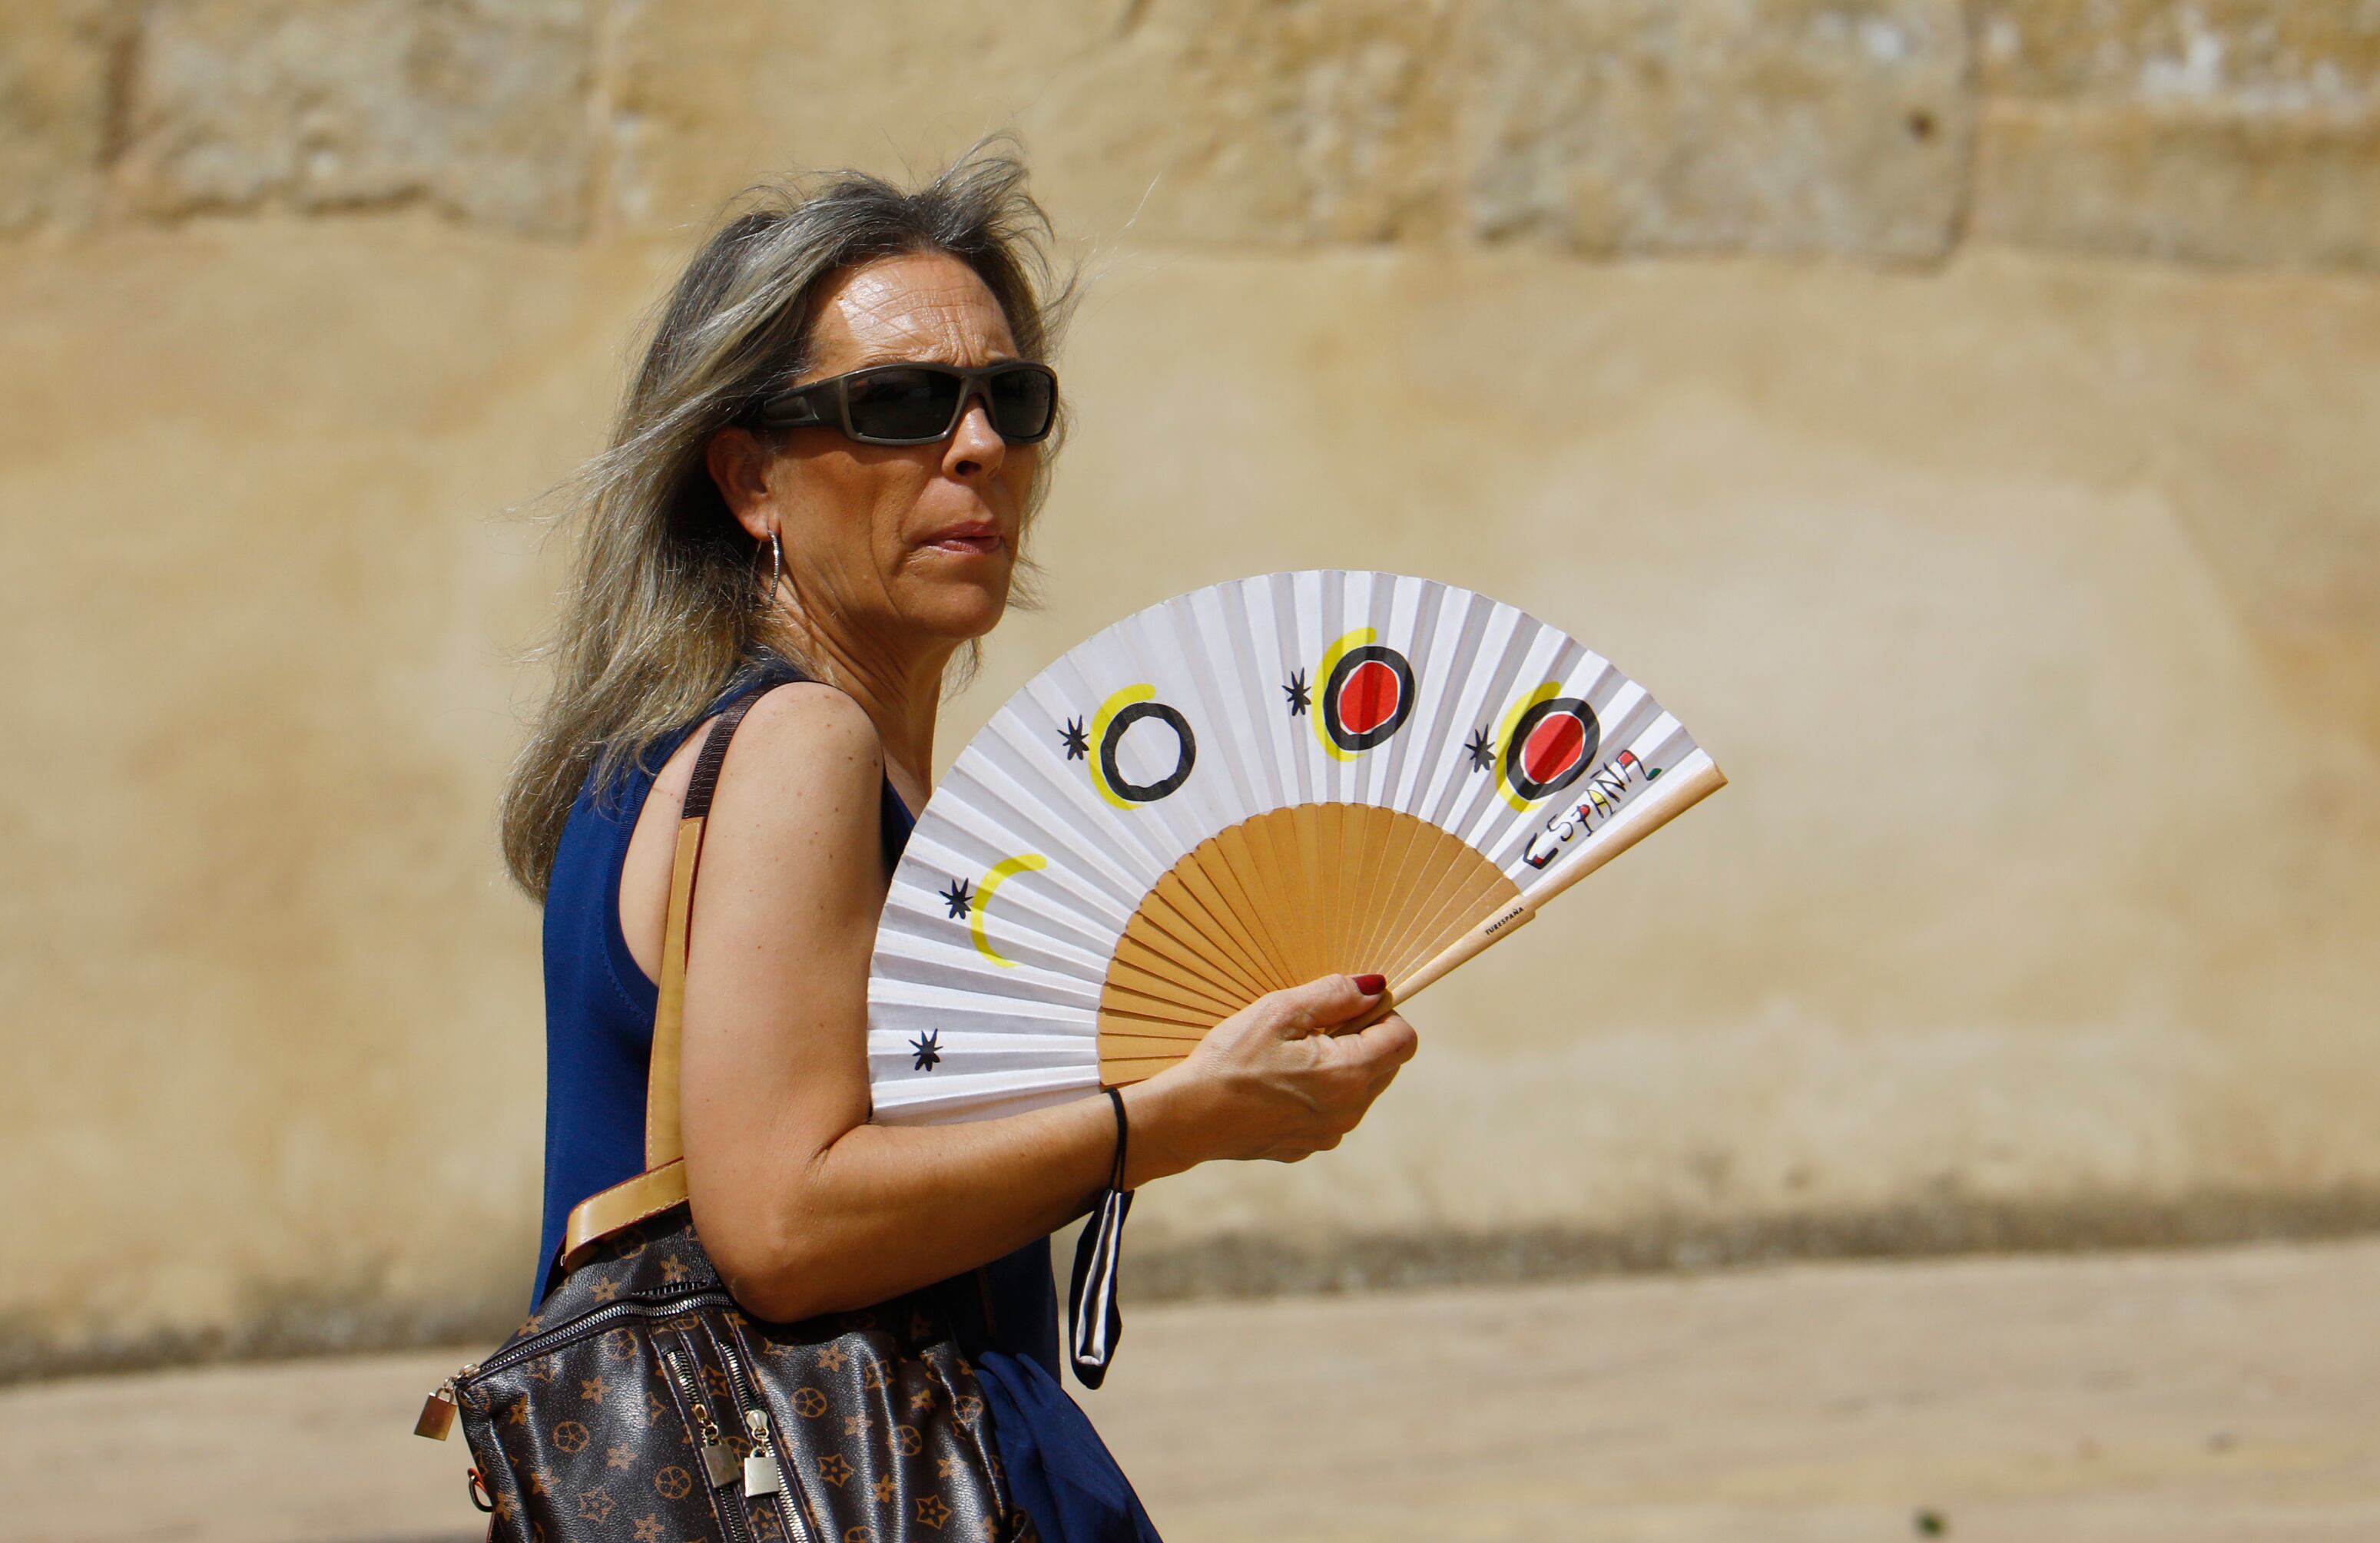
{"x": 717, "y": 1461}
{"x": 437, "y": 1421}
{"x": 761, "y": 1475}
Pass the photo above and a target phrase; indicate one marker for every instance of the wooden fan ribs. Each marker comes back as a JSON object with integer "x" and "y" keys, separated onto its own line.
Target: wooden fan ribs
{"x": 1177, "y": 932}
{"x": 1198, "y": 949}
{"x": 1341, "y": 888}
{"x": 1239, "y": 859}
{"x": 1372, "y": 867}
{"x": 1225, "y": 899}
{"x": 1453, "y": 902}
{"x": 1280, "y": 899}
{"x": 1395, "y": 875}
{"x": 1138, "y": 966}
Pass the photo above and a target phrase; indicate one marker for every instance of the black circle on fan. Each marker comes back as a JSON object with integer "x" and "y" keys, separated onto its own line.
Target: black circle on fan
{"x": 1187, "y": 746}
{"x": 1551, "y": 746}
{"x": 1368, "y": 698}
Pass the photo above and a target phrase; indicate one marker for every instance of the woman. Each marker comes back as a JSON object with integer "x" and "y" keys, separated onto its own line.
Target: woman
{"x": 745, "y": 537}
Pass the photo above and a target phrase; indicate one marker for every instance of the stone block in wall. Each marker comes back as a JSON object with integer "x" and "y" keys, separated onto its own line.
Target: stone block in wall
{"x": 1835, "y": 126}
{"x": 707, "y": 99}
{"x": 475, "y": 107}
{"x": 1236, "y": 122}
{"x": 2180, "y": 181}
{"x": 1649, "y": 126}
{"x": 2276, "y": 51}
{"x": 55, "y": 59}
{"x": 2226, "y": 130}
{"x": 1257, "y": 124}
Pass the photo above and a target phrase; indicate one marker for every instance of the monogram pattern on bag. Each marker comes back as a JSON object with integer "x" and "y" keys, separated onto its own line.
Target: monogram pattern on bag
{"x": 594, "y": 1435}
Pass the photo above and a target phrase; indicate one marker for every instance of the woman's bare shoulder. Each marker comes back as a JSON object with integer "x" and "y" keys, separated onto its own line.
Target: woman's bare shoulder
{"x": 805, "y": 735}
{"x": 799, "y": 782}
{"x": 795, "y": 735}
{"x": 806, "y": 762}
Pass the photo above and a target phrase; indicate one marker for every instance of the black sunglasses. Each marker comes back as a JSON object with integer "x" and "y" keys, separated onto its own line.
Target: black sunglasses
{"x": 918, "y": 403}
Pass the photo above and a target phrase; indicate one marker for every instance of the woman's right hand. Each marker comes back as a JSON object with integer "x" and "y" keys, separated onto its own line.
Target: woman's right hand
{"x": 1281, "y": 1078}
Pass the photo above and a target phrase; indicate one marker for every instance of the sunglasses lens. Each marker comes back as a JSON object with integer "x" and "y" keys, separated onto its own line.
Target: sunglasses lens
{"x": 904, "y": 403}
{"x": 900, "y": 405}
{"x": 1023, "y": 402}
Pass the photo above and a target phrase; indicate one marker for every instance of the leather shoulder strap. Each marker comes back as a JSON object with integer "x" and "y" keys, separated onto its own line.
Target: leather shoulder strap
{"x": 663, "y": 1142}
{"x": 663, "y": 1184}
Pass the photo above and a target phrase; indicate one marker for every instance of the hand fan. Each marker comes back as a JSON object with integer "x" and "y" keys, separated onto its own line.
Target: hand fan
{"x": 1235, "y": 791}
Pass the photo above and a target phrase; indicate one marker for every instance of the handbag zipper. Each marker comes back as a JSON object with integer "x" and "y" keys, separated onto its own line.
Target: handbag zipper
{"x": 765, "y": 1471}
{"x": 438, "y": 1410}
{"x": 718, "y": 1463}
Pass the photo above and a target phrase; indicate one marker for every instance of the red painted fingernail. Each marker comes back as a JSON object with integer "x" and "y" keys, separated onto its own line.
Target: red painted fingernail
{"x": 1371, "y": 985}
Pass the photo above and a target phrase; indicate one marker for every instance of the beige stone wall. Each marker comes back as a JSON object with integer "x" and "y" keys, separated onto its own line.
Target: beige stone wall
{"x": 1961, "y": 415}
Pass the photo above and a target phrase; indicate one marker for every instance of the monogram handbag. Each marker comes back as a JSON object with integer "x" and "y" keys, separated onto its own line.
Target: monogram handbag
{"x": 639, "y": 1402}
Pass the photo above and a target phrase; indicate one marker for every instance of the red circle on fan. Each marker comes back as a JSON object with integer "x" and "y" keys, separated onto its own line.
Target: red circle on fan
{"x": 1551, "y": 746}
{"x": 1370, "y": 698}
{"x": 1556, "y": 745}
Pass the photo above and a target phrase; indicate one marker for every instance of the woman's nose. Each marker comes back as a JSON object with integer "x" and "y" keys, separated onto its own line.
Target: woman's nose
{"x": 974, "y": 448}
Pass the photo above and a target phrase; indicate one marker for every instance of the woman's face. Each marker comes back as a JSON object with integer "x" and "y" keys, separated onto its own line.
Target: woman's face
{"x": 914, "y": 543}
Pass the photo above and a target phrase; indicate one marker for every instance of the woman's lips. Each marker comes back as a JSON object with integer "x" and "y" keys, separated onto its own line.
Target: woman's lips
{"x": 972, "y": 539}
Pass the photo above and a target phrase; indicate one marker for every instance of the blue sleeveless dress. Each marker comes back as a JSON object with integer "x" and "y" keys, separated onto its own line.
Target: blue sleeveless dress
{"x": 599, "y": 1035}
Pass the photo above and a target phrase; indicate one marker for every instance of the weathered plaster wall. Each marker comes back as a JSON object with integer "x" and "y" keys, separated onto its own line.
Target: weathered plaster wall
{"x": 1962, "y": 415}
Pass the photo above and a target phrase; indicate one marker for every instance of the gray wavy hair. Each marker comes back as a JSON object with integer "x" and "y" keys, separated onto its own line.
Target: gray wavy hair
{"x": 667, "y": 606}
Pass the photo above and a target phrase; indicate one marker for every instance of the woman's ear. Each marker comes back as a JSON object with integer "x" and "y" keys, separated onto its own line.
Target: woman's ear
{"x": 738, "y": 461}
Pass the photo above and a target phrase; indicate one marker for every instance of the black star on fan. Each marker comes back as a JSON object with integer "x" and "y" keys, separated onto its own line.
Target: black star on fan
{"x": 1482, "y": 750}
{"x": 1077, "y": 747}
{"x": 929, "y": 1047}
{"x": 1299, "y": 698}
{"x": 959, "y": 897}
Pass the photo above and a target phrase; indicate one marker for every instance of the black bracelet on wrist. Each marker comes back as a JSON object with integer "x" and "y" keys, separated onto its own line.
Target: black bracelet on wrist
{"x": 1124, "y": 1137}
{"x": 1093, "y": 1322}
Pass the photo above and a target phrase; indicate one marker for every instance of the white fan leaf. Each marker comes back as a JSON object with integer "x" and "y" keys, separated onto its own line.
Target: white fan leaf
{"x": 1236, "y": 790}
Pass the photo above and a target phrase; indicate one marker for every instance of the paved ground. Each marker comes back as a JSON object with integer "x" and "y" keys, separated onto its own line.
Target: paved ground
{"x": 2181, "y": 1398}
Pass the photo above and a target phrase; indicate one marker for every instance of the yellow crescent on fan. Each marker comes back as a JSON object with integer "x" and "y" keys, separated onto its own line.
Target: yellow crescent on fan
{"x": 1235, "y": 791}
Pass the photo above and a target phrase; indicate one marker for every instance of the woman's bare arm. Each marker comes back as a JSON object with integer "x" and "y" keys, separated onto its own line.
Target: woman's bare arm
{"x": 803, "y": 1205}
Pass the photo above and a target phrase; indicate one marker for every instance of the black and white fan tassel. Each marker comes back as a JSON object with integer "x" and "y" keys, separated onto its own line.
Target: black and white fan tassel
{"x": 1094, "y": 1320}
